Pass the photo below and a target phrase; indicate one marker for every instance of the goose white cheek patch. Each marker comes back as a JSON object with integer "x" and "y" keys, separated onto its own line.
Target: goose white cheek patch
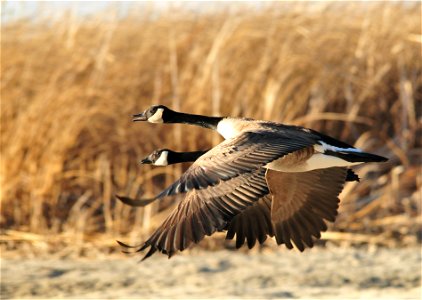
{"x": 162, "y": 160}
{"x": 157, "y": 117}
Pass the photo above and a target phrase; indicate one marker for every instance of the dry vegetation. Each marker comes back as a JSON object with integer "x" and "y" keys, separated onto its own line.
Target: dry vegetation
{"x": 69, "y": 87}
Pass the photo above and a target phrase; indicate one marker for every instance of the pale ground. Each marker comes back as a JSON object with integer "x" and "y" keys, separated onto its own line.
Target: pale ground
{"x": 337, "y": 273}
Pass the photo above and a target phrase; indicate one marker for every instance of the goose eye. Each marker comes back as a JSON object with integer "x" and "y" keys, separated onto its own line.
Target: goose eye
{"x": 157, "y": 155}
{"x": 152, "y": 111}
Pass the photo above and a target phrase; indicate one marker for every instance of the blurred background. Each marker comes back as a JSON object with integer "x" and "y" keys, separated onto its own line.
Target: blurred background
{"x": 73, "y": 73}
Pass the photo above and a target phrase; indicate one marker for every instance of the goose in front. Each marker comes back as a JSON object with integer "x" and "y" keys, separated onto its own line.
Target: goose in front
{"x": 303, "y": 170}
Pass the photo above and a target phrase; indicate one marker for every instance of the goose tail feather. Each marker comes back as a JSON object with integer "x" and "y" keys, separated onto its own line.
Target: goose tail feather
{"x": 356, "y": 156}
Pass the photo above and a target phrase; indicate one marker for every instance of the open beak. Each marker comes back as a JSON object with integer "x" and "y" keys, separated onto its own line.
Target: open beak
{"x": 146, "y": 161}
{"x": 139, "y": 117}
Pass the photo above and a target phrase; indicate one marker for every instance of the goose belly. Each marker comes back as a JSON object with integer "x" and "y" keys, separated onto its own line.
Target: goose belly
{"x": 315, "y": 161}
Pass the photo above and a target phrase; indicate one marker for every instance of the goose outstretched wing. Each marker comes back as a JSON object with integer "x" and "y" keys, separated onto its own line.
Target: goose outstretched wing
{"x": 302, "y": 202}
{"x": 202, "y": 213}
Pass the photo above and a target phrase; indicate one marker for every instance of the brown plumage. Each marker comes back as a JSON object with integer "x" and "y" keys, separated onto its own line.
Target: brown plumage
{"x": 302, "y": 201}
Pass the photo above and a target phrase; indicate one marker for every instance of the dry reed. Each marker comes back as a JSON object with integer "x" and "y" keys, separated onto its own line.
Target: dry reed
{"x": 69, "y": 87}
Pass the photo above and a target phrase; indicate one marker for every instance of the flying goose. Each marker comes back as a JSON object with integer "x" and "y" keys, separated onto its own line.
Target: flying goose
{"x": 313, "y": 166}
{"x": 303, "y": 169}
{"x": 250, "y": 223}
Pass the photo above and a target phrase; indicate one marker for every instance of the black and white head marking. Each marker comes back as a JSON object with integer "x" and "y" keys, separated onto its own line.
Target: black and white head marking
{"x": 162, "y": 159}
{"x": 157, "y": 117}
{"x": 154, "y": 114}
{"x": 157, "y": 158}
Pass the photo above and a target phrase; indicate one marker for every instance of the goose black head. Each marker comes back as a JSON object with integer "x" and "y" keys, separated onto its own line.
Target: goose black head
{"x": 154, "y": 114}
{"x": 163, "y": 114}
{"x": 157, "y": 158}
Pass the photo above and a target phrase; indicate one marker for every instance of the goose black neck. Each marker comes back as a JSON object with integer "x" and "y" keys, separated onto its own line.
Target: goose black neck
{"x": 179, "y": 157}
{"x": 199, "y": 120}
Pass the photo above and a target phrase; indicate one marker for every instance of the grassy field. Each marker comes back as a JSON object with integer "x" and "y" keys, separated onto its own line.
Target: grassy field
{"x": 70, "y": 85}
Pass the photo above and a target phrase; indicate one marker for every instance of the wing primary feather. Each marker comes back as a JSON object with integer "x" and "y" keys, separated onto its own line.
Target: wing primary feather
{"x": 224, "y": 208}
{"x": 261, "y": 226}
{"x": 240, "y": 234}
{"x": 128, "y": 246}
{"x": 170, "y": 241}
{"x": 250, "y": 231}
{"x": 184, "y": 241}
{"x": 266, "y": 212}
{"x": 232, "y": 203}
{"x": 231, "y": 230}
{"x": 177, "y": 237}
{"x": 221, "y": 219}
{"x": 161, "y": 240}
{"x": 279, "y": 237}
{"x": 208, "y": 223}
{"x": 197, "y": 228}
{"x": 307, "y": 230}
{"x": 295, "y": 234}
{"x": 151, "y": 251}
{"x": 286, "y": 235}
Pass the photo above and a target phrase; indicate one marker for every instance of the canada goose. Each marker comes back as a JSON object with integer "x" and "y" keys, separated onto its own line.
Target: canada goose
{"x": 251, "y": 224}
{"x": 255, "y": 157}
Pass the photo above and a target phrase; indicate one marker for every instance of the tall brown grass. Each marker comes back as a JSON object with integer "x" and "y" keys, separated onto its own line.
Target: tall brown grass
{"x": 69, "y": 87}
